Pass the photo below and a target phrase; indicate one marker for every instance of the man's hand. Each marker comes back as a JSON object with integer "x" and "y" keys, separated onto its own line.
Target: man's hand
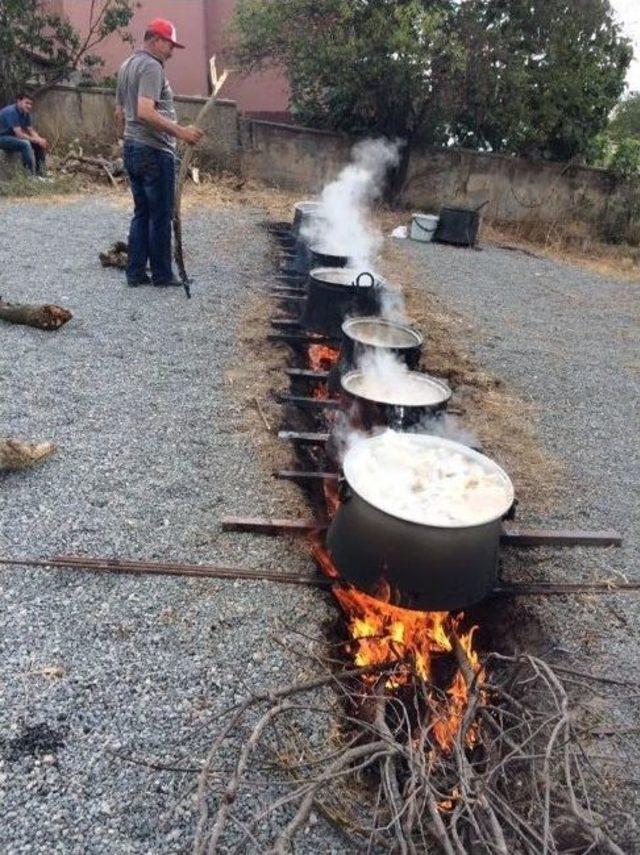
{"x": 190, "y": 134}
{"x": 42, "y": 142}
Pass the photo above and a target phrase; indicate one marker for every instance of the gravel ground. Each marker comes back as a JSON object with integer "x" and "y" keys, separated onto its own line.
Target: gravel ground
{"x": 567, "y": 340}
{"x": 153, "y": 447}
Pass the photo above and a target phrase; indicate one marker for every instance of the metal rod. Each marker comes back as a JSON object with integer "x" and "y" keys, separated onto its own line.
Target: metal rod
{"x": 303, "y": 401}
{"x": 165, "y": 568}
{"x": 304, "y": 438}
{"x": 306, "y": 374}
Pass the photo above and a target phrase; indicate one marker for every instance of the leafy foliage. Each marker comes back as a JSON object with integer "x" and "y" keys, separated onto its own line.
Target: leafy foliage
{"x": 626, "y": 119}
{"x": 42, "y": 48}
{"x": 535, "y": 77}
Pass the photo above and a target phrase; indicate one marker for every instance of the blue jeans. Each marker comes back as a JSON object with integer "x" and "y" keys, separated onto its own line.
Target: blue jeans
{"x": 152, "y": 176}
{"x": 32, "y": 154}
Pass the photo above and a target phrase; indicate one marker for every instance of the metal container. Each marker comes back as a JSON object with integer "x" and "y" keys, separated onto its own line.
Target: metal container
{"x": 368, "y": 412}
{"x": 334, "y": 294}
{"x": 458, "y": 226}
{"x": 320, "y": 258}
{"x": 364, "y": 336}
{"x": 426, "y": 567}
{"x": 303, "y": 213}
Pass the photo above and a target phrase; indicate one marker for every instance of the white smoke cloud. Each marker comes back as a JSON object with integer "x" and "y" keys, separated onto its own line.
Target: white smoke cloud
{"x": 343, "y": 225}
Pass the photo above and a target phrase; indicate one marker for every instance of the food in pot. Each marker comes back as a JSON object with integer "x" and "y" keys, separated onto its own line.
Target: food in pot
{"x": 428, "y": 480}
{"x": 381, "y": 334}
{"x": 403, "y": 389}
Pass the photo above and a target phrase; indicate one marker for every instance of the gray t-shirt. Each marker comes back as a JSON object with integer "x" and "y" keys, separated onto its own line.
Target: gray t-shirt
{"x": 143, "y": 75}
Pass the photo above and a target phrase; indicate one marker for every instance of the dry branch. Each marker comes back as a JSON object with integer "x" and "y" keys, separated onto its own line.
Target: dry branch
{"x": 46, "y": 317}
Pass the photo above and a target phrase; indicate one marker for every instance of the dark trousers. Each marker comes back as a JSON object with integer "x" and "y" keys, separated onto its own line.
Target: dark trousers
{"x": 33, "y": 156}
{"x": 152, "y": 176}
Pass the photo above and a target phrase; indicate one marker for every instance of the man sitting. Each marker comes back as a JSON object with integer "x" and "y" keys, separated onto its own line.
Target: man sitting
{"x": 17, "y": 134}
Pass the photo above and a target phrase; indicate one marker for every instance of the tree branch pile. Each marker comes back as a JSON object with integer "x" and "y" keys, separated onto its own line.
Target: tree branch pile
{"x": 515, "y": 779}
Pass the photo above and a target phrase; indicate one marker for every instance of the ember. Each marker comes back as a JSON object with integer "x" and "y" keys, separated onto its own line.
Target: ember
{"x": 322, "y": 356}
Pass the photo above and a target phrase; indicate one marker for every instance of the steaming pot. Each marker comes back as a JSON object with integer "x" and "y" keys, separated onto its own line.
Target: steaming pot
{"x": 367, "y": 412}
{"x": 428, "y": 567}
{"x": 320, "y": 258}
{"x": 334, "y": 293}
{"x": 365, "y": 335}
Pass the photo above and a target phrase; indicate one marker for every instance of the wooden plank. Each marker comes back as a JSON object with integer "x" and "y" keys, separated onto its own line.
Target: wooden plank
{"x": 515, "y": 536}
{"x": 304, "y": 438}
{"x": 306, "y": 374}
{"x": 266, "y": 525}
{"x": 302, "y": 475}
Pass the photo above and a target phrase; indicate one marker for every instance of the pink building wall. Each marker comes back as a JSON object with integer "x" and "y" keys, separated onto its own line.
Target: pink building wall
{"x": 200, "y": 25}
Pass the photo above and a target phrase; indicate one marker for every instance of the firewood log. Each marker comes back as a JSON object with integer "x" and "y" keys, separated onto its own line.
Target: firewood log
{"x": 15, "y": 454}
{"x": 46, "y": 317}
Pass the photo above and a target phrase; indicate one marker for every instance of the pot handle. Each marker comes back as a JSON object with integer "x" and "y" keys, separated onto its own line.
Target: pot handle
{"x": 370, "y": 275}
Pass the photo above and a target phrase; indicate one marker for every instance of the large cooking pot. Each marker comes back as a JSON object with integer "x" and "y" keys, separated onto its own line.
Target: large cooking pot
{"x": 427, "y": 567}
{"x": 335, "y": 293}
{"x": 303, "y": 213}
{"x": 408, "y": 399}
{"x": 321, "y": 257}
{"x": 363, "y": 336}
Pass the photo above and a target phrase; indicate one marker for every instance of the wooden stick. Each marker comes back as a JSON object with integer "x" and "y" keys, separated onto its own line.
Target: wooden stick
{"x": 306, "y": 374}
{"x": 309, "y": 403}
{"x": 187, "y": 154}
{"x": 267, "y": 525}
{"x": 45, "y": 317}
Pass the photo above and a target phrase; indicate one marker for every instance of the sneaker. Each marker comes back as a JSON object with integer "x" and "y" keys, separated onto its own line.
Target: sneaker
{"x": 141, "y": 280}
{"x": 45, "y": 179}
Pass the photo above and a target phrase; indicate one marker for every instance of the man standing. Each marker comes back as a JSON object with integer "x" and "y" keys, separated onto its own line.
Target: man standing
{"x": 18, "y": 134}
{"x": 144, "y": 106}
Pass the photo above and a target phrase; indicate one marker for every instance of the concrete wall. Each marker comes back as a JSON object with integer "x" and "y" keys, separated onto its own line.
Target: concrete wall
{"x": 304, "y": 160}
{"x": 66, "y": 113}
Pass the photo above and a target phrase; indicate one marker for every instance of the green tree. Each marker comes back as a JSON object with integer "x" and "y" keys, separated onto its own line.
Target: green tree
{"x": 385, "y": 66}
{"x": 532, "y": 77}
{"x": 542, "y": 75}
{"x": 39, "y": 49}
{"x": 626, "y": 118}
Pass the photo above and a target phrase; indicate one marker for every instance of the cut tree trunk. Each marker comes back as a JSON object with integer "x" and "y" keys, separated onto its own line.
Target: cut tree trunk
{"x": 15, "y": 454}
{"x": 47, "y": 317}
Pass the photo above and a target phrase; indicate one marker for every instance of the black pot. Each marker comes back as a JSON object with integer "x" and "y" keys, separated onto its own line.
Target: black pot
{"x": 364, "y": 335}
{"x": 427, "y": 567}
{"x": 366, "y": 412}
{"x": 303, "y": 212}
{"x": 334, "y": 294}
{"x": 319, "y": 258}
{"x": 458, "y": 226}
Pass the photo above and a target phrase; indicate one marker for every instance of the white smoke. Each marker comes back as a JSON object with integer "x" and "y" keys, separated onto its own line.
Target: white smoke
{"x": 343, "y": 225}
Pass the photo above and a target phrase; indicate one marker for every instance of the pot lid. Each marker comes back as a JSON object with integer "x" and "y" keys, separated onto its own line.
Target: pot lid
{"x": 400, "y": 389}
{"x": 344, "y": 276}
{"x": 330, "y": 251}
{"x": 428, "y": 480}
{"x": 378, "y": 332}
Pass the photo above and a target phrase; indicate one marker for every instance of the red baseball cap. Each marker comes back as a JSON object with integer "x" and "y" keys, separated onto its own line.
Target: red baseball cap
{"x": 165, "y": 29}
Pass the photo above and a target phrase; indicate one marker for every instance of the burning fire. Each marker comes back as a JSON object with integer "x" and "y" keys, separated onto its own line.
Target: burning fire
{"x": 322, "y": 356}
{"x": 384, "y": 634}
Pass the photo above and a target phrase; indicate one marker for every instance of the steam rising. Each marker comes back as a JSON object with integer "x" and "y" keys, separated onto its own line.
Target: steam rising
{"x": 343, "y": 225}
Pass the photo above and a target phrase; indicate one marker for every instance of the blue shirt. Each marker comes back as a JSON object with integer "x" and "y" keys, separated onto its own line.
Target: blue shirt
{"x": 10, "y": 118}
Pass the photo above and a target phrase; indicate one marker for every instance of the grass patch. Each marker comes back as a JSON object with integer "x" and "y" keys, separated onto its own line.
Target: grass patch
{"x": 23, "y": 186}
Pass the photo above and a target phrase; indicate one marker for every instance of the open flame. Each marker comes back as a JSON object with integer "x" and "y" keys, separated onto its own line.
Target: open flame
{"x": 384, "y": 634}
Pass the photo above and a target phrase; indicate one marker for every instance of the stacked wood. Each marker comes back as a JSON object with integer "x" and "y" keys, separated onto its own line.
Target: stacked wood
{"x": 46, "y": 317}
{"x": 15, "y": 454}
{"x": 76, "y": 162}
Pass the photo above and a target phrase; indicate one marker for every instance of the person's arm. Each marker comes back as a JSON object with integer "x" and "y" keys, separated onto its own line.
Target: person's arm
{"x": 148, "y": 114}
{"x": 119, "y": 117}
{"x": 36, "y": 138}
